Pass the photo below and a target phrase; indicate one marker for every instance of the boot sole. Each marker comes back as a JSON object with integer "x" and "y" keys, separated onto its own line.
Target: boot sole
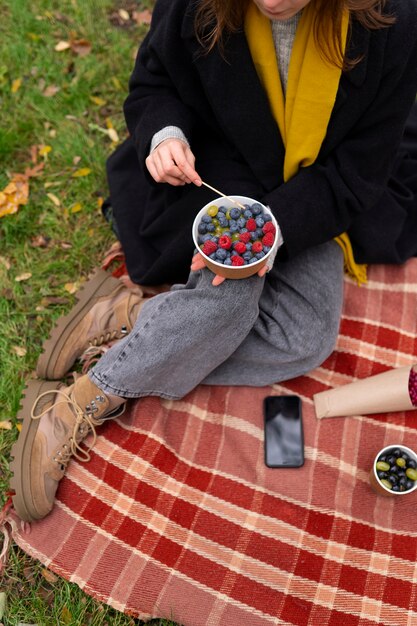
{"x": 100, "y": 284}
{"x": 20, "y": 481}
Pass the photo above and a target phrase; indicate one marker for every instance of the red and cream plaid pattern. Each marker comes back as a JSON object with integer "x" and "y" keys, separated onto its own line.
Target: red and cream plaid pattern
{"x": 177, "y": 515}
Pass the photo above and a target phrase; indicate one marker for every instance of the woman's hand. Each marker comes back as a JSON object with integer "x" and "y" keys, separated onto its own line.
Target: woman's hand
{"x": 173, "y": 162}
{"x": 198, "y": 263}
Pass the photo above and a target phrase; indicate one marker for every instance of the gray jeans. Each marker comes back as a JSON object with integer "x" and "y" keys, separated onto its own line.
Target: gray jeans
{"x": 255, "y": 331}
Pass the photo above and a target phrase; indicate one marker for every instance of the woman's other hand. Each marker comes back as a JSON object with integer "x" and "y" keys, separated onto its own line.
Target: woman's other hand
{"x": 198, "y": 263}
{"x": 173, "y": 162}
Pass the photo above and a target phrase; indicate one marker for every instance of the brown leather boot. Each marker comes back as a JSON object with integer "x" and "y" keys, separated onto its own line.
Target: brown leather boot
{"x": 56, "y": 419}
{"x": 106, "y": 311}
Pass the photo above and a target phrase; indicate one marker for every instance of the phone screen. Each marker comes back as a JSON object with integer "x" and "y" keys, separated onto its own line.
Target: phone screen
{"x": 284, "y": 444}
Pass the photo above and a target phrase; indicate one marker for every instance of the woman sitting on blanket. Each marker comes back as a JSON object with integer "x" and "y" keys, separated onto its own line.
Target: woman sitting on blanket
{"x": 304, "y": 105}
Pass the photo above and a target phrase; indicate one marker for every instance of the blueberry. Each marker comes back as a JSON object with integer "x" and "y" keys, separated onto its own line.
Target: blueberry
{"x": 206, "y": 219}
{"x": 266, "y": 249}
{"x": 260, "y": 222}
{"x": 267, "y": 217}
{"x": 210, "y": 228}
{"x": 234, "y": 213}
{"x": 241, "y": 222}
{"x": 256, "y": 208}
{"x": 227, "y": 233}
{"x": 202, "y": 228}
{"x": 248, "y": 246}
{"x": 233, "y": 227}
{"x": 254, "y": 236}
{"x": 221, "y": 254}
{"x": 223, "y": 221}
{"x": 247, "y": 214}
{"x": 253, "y": 260}
{"x": 260, "y": 255}
{"x": 227, "y": 261}
{"x": 247, "y": 255}
{"x": 213, "y": 256}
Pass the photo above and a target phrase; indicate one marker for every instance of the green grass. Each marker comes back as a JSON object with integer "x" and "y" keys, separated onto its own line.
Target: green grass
{"x": 88, "y": 93}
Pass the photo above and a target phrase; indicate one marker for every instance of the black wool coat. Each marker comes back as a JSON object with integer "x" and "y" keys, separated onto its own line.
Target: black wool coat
{"x": 364, "y": 180}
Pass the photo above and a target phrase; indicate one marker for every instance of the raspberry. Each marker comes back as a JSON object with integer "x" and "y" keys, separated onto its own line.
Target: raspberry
{"x": 251, "y": 224}
{"x": 244, "y": 237}
{"x": 268, "y": 239}
{"x": 209, "y": 247}
{"x": 240, "y": 247}
{"x": 257, "y": 247}
{"x": 237, "y": 260}
{"x": 269, "y": 228}
{"x": 225, "y": 242}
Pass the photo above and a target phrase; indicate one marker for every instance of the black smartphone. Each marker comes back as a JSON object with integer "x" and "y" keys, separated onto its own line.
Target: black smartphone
{"x": 284, "y": 441}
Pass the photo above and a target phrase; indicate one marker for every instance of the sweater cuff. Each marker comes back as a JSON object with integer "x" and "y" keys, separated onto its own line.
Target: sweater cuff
{"x": 169, "y": 132}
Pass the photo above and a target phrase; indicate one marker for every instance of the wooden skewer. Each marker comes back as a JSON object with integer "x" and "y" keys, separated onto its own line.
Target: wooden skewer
{"x": 224, "y": 195}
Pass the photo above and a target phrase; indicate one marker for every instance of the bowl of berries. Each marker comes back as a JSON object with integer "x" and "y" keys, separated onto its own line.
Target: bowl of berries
{"x": 236, "y": 236}
{"x": 394, "y": 471}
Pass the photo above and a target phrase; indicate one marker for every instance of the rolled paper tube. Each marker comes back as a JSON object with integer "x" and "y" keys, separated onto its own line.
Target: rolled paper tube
{"x": 383, "y": 393}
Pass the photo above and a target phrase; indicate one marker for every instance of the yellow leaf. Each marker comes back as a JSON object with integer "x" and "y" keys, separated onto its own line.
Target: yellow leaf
{"x": 116, "y": 83}
{"x": 62, "y": 45}
{"x": 100, "y": 201}
{"x": 16, "y": 84}
{"x": 44, "y": 150}
{"x": 71, "y": 287}
{"x": 76, "y": 207}
{"x": 54, "y": 199}
{"x": 84, "y": 171}
{"x": 19, "y": 427}
{"x": 112, "y": 133}
{"x": 109, "y": 123}
{"x": 99, "y": 101}
{"x": 24, "y": 276}
{"x": 6, "y": 425}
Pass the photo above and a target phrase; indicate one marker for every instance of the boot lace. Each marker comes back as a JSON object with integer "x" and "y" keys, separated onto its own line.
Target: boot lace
{"x": 83, "y": 425}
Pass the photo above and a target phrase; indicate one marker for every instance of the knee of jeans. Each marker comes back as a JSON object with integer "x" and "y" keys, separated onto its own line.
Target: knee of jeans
{"x": 318, "y": 340}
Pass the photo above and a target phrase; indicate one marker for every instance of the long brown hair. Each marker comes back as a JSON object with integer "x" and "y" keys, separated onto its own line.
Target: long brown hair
{"x": 215, "y": 18}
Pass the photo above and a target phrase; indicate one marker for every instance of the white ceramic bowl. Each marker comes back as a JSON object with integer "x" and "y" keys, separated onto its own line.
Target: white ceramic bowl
{"x": 376, "y": 483}
{"x": 228, "y": 271}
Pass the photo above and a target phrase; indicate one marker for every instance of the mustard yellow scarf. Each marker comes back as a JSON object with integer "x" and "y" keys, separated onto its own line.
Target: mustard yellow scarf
{"x": 304, "y": 114}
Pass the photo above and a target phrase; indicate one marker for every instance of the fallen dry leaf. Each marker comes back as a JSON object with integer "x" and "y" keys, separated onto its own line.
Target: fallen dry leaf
{"x": 65, "y": 245}
{"x": 71, "y": 287}
{"x": 84, "y": 171}
{"x": 19, "y": 350}
{"x": 40, "y": 241}
{"x": 62, "y": 45}
{"x": 142, "y": 17}
{"x": 81, "y": 47}
{"x": 51, "y": 91}
{"x": 53, "y": 198}
{"x": 49, "y": 576}
{"x": 5, "y": 262}
{"x": 16, "y": 84}
{"x": 44, "y": 150}
{"x": 124, "y": 15}
{"x": 22, "y": 277}
{"x": 6, "y": 425}
{"x": 98, "y": 101}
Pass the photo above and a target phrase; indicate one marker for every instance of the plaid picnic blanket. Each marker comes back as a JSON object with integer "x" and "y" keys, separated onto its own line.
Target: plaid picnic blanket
{"x": 177, "y": 516}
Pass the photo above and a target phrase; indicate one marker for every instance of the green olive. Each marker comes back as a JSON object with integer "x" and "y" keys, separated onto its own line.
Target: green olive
{"x": 383, "y": 466}
{"x": 411, "y": 473}
{"x": 386, "y": 483}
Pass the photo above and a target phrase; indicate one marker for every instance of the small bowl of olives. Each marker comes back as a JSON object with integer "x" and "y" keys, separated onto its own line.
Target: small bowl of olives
{"x": 394, "y": 471}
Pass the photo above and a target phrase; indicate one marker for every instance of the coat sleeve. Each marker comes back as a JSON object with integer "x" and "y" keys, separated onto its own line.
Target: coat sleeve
{"x": 322, "y": 200}
{"x": 153, "y": 101}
